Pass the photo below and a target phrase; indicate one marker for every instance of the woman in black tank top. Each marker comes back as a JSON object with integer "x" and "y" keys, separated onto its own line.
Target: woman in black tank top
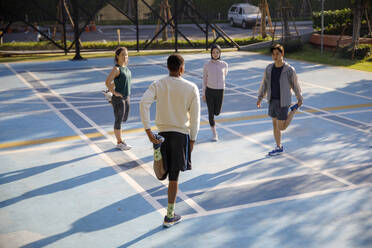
{"x": 118, "y": 83}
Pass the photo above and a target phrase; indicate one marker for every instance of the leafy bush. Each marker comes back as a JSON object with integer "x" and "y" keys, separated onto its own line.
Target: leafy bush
{"x": 294, "y": 45}
{"x": 336, "y": 20}
{"x": 361, "y": 51}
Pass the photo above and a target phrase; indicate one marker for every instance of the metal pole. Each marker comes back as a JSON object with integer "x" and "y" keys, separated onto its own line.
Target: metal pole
{"x": 176, "y": 24}
{"x": 206, "y": 36}
{"x": 137, "y": 27}
{"x": 62, "y": 6}
{"x": 322, "y": 32}
{"x": 76, "y": 31}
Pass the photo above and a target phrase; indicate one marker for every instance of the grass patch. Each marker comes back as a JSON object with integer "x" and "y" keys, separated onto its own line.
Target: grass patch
{"x": 131, "y": 45}
{"x": 312, "y": 54}
{"x": 90, "y": 55}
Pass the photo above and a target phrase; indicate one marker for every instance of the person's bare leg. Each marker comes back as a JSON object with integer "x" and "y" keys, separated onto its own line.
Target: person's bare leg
{"x": 284, "y": 124}
{"x": 172, "y": 191}
{"x": 118, "y": 135}
{"x": 172, "y": 194}
{"x": 276, "y": 131}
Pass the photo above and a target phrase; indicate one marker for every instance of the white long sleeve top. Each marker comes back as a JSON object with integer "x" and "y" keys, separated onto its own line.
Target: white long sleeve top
{"x": 177, "y": 106}
{"x": 214, "y": 74}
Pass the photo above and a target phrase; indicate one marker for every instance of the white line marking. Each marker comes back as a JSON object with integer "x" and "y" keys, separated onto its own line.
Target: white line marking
{"x": 277, "y": 200}
{"x": 39, "y": 148}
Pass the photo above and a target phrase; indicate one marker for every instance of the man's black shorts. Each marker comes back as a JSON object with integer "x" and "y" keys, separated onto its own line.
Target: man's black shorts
{"x": 276, "y": 111}
{"x": 176, "y": 153}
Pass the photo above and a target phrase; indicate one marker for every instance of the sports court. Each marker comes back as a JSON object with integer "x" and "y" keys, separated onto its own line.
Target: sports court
{"x": 63, "y": 184}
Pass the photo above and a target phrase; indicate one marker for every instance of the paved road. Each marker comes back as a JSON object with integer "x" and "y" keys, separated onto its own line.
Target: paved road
{"x": 128, "y": 32}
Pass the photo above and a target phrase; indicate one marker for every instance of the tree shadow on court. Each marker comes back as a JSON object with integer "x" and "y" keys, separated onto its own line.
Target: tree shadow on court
{"x": 112, "y": 215}
{"x": 143, "y": 236}
{"x": 13, "y": 176}
{"x": 62, "y": 185}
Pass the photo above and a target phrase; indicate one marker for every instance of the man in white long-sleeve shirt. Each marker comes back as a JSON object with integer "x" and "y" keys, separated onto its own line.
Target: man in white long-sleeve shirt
{"x": 177, "y": 119}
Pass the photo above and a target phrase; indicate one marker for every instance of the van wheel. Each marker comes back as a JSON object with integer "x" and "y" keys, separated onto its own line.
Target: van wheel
{"x": 244, "y": 25}
{"x": 232, "y": 24}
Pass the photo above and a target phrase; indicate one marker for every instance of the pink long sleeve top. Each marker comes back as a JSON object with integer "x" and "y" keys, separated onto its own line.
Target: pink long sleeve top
{"x": 214, "y": 74}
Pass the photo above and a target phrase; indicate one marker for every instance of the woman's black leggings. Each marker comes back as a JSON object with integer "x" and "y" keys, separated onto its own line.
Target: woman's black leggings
{"x": 121, "y": 110}
{"x": 214, "y": 99}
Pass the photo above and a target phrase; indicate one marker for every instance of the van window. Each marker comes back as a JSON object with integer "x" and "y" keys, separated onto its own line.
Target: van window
{"x": 232, "y": 9}
{"x": 251, "y": 10}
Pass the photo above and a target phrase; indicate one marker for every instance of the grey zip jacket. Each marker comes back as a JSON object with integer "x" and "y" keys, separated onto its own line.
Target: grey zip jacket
{"x": 288, "y": 80}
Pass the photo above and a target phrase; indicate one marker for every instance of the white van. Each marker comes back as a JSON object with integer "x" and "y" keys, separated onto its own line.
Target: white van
{"x": 243, "y": 14}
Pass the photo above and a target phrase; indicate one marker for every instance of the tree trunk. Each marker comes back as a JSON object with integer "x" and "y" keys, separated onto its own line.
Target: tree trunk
{"x": 357, "y": 21}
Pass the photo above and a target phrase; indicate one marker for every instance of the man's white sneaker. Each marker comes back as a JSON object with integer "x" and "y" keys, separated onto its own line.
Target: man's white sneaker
{"x": 123, "y": 146}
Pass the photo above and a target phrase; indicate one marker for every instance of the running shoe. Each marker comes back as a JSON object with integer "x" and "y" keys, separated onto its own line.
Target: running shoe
{"x": 108, "y": 95}
{"x": 294, "y": 107}
{"x": 277, "y": 151}
{"x": 215, "y": 137}
{"x": 123, "y": 146}
{"x": 168, "y": 222}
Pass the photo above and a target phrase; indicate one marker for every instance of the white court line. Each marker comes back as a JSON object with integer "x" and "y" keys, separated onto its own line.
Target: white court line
{"x": 268, "y": 179}
{"x": 340, "y": 91}
{"x": 250, "y": 182}
{"x": 20, "y": 114}
{"x": 291, "y": 157}
{"x": 350, "y": 166}
{"x": 40, "y": 148}
{"x": 326, "y": 119}
{"x": 130, "y": 154}
{"x": 277, "y": 200}
{"x": 155, "y": 204}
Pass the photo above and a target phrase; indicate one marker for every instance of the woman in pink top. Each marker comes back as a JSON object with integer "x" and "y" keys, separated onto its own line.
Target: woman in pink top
{"x": 214, "y": 74}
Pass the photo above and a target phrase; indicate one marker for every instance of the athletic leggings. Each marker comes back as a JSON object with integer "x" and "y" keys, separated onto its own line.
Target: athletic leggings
{"x": 121, "y": 110}
{"x": 214, "y": 99}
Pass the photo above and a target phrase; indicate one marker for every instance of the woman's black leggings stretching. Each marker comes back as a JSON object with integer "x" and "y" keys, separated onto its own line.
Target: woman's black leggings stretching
{"x": 121, "y": 110}
{"x": 214, "y": 98}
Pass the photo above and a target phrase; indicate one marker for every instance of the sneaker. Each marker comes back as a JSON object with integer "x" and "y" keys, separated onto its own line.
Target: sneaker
{"x": 168, "y": 222}
{"x": 108, "y": 95}
{"x": 277, "y": 151}
{"x": 123, "y": 146}
{"x": 215, "y": 134}
{"x": 294, "y": 107}
{"x": 215, "y": 137}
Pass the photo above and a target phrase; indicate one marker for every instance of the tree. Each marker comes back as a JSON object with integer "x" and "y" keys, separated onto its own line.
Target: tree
{"x": 358, "y": 7}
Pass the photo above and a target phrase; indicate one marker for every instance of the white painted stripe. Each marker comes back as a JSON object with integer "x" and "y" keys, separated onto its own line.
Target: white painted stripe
{"x": 156, "y": 205}
{"x": 40, "y": 148}
{"x": 277, "y": 200}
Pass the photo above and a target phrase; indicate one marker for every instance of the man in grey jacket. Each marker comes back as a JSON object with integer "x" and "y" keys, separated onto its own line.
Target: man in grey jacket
{"x": 278, "y": 80}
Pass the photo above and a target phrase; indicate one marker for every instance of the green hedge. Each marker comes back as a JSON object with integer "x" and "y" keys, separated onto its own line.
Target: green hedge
{"x": 362, "y": 51}
{"x": 131, "y": 45}
{"x": 336, "y": 20}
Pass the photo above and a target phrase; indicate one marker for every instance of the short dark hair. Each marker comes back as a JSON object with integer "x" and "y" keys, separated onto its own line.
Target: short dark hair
{"x": 278, "y": 47}
{"x": 174, "y": 62}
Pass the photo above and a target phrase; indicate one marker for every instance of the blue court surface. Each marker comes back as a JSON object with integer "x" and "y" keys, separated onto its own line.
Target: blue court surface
{"x": 63, "y": 183}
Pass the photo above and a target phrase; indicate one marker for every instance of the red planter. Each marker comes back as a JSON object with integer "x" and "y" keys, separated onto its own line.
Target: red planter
{"x": 331, "y": 40}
